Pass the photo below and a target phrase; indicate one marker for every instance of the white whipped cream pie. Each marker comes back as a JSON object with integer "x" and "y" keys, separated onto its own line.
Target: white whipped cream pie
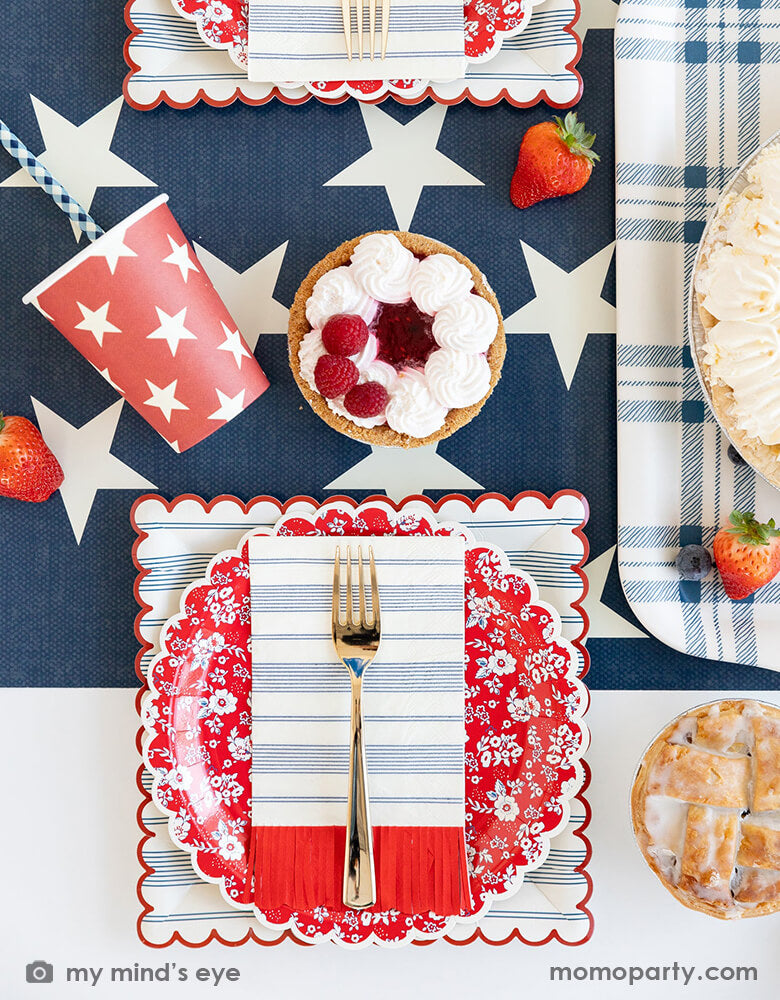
{"x": 737, "y": 288}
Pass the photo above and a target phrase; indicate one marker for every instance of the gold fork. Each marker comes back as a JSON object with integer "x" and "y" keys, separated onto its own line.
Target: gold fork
{"x": 356, "y": 644}
{"x": 346, "y": 16}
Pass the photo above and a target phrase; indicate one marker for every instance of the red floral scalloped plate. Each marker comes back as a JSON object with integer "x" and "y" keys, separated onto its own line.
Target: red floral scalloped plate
{"x": 525, "y": 735}
{"x": 223, "y": 24}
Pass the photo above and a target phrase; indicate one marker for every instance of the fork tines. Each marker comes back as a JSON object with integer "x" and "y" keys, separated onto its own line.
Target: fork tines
{"x": 368, "y": 622}
{"x": 346, "y": 14}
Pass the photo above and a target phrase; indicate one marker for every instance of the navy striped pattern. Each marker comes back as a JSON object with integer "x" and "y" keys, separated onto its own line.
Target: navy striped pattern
{"x": 713, "y": 68}
{"x": 410, "y": 759}
{"x": 413, "y": 691}
{"x": 179, "y": 900}
{"x": 294, "y": 41}
{"x": 327, "y": 677}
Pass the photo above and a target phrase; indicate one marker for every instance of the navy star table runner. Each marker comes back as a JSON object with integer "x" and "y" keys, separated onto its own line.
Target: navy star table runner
{"x": 262, "y": 194}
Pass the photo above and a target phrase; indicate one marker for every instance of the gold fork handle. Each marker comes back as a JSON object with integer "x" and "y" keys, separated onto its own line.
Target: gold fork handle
{"x": 359, "y": 882}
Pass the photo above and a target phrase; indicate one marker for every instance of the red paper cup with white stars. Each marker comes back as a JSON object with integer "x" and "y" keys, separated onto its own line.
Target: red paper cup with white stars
{"x": 141, "y": 309}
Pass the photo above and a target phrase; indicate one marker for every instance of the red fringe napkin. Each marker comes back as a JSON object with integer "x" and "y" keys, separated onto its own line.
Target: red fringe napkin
{"x": 303, "y": 867}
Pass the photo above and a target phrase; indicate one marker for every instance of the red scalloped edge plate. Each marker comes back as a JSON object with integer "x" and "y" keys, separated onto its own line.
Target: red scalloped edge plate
{"x": 435, "y": 506}
{"x": 164, "y": 97}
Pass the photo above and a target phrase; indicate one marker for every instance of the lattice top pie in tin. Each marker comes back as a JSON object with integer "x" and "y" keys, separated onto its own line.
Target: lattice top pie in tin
{"x": 706, "y": 808}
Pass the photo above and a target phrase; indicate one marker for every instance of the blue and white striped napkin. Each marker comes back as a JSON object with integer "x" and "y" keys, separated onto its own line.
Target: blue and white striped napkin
{"x": 304, "y": 41}
{"x": 413, "y": 693}
{"x": 413, "y": 702}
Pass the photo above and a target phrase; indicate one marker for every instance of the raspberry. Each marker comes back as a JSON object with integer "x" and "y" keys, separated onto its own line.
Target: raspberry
{"x": 334, "y": 376}
{"x": 367, "y": 400}
{"x": 344, "y": 335}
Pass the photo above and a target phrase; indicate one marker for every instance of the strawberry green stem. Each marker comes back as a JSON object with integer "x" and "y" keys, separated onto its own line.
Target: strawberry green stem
{"x": 749, "y": 530}
{"x": 576, "y": 137}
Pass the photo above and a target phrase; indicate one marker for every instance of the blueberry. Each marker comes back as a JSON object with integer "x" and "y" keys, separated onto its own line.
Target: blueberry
{"x": 694, "y": 562}
{"x": 735, "y": 456}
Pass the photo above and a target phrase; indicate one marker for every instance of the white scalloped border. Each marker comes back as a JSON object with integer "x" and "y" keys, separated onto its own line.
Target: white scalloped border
{"x": 420, "y": 508}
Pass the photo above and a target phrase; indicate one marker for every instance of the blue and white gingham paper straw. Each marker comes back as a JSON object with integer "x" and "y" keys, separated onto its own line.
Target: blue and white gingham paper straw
{"x": 50, "y": 184}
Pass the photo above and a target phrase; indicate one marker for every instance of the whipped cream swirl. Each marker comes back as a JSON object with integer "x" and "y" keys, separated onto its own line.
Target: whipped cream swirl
{"x": 739, "y": 285}
{"x": 309, "y": 353}
{"x": 438, "y": 281}
{"x": 765, "y": 172}
{"x": 753, "y": 225}
{"x": 746, "y": 356}
{"x": 456, "y": 378}
{"x": 383, "y": 373}
{"x": 337, "y": 292}
{"x": 383, "y": 268}
{"x": 470, "y": 325}
{"x": 368, "y": 355}
{"x": 412, "y": 408}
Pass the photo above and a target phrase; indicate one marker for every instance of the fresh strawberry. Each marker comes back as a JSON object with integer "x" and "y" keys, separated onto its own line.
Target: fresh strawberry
{"x": 747, "y": 554}
{"x": 334, "y": 376}
{"x": 555, "y": 158}
{"x": 28, "y": 470}
{"x": 366, "y": 400}
{"x": 345, "y": 335}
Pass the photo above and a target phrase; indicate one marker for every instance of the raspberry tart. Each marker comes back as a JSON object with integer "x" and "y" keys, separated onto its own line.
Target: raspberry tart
{"x": 396, "y": 340}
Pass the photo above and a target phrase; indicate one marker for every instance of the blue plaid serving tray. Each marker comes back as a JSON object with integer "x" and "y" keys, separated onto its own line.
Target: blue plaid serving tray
{"x": 697, "y": 90}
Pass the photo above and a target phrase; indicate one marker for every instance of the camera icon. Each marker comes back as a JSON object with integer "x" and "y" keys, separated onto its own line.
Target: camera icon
{"x": 39, "y": 972}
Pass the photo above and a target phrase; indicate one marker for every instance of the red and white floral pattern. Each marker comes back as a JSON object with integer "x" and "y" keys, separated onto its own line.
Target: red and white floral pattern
{"x": 523, "y": 719}
{"x": 489, "y": 22}
{"x": 224, "y": 24}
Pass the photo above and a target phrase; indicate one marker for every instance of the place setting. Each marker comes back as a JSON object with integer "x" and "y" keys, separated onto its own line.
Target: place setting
{"x": 483, "y": 51}
{"x": 300, "y": 770}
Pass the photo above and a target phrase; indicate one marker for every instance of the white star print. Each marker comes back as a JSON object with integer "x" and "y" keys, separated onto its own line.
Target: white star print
{"x": 84, "y": 454}
{"x": 234, "y": 345}
{"x": 172, "y": 329}
{"x": 568, "y": 305}
{"x": 403, "y": 159}
{"x": 249, "y": 295}
{"x": 604, "y": 622}
{"x": 228, "y": 408}
{"x": 112, "y": 246}
{"x": 401, "y": 472}
{"x": 79, "y": 156}
{"x": 96, "y": 321}
{"x": 180, "y": 257}
{"x": 164, "y": 399}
